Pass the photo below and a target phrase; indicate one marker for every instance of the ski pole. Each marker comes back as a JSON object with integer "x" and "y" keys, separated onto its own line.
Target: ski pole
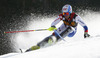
{"x": 25, "y": 31}
{"x": 59, "y": 35}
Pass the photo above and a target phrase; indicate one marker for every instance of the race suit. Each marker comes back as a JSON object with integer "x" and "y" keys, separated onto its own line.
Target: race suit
{"x": 68, "y": 27}
{"x": 67, "y": 24}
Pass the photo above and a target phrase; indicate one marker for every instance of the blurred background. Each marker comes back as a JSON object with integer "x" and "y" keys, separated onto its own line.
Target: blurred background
{"x": 14, "y": 14}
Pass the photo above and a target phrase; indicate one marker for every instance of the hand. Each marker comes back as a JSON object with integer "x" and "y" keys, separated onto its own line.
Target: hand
{"x": 52, "y": 28}
{"x": 86, "y": 35}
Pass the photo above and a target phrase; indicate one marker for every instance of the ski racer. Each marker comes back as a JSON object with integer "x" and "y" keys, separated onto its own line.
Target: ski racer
{"x": 68, "y": 27}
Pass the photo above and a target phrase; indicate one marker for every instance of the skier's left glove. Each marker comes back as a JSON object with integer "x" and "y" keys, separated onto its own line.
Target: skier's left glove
{"x": 52, "y": 28}
{"x": 86, "y": 35}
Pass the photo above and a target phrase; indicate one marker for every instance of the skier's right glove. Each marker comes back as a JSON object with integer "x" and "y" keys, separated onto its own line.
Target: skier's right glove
{"x": 52, "y": 28}
{"x": 86, "y": 35}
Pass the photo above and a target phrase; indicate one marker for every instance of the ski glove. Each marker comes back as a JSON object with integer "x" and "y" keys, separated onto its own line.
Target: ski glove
{"x": 86, "y": 35}
{"x": 52, "y": 28}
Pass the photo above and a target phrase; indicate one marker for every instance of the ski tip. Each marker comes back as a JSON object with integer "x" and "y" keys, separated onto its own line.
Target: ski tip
{"x": 21, "y": 50}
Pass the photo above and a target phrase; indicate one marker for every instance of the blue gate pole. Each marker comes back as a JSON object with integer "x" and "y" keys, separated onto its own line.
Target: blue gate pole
{"x": 59, "y": 35}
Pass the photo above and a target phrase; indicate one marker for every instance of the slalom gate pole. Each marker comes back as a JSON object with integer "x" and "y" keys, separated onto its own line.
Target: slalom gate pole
{"x": 59, "y": 35}
{"x": 25, "y": 31}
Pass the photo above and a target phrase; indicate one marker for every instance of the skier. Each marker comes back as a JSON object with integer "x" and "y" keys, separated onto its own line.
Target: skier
{"x": 68, "y": 27}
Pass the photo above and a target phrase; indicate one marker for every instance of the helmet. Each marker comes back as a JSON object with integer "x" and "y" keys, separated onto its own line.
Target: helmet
{"x": 67, "y": 9}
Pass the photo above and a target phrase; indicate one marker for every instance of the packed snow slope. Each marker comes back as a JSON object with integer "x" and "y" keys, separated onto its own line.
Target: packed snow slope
{"x": 75, "y": 47}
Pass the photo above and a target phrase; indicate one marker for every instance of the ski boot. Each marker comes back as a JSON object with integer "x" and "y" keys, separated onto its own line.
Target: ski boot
{"x": 33, "y": 48}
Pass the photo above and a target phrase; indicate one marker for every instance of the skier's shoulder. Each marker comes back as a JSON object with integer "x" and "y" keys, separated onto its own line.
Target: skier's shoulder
{"x": 74, "y": 14}
{"x": 60, "y": 16}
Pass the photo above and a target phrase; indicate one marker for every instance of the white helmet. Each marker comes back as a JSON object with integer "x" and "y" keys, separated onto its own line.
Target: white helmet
{"x": 67, "y": 8}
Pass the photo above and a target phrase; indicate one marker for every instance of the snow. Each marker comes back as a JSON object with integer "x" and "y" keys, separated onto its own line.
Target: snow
{"x": 75, "y": 47}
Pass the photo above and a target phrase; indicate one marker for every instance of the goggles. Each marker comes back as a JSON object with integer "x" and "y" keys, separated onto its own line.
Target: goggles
{"x": 66, "y": 14}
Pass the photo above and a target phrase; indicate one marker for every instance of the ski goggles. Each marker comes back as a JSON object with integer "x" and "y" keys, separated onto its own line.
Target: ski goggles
{"x": 66, "y": 14}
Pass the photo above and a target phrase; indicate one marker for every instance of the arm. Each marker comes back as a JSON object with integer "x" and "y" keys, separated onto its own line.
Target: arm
{"x": 80, "y": 21}
{"x": 56, "y": 21}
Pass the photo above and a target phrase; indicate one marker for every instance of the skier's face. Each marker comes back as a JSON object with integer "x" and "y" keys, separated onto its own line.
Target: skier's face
{"x": 66, "y": 15}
